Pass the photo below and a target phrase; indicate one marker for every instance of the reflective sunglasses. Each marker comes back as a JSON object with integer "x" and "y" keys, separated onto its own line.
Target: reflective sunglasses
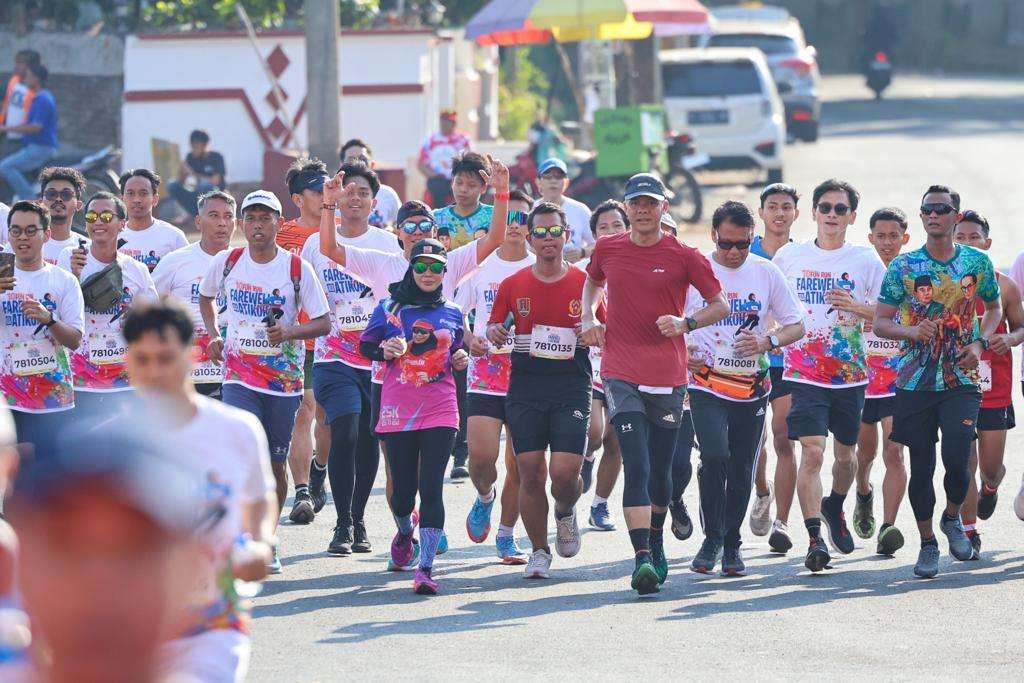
{"x": 105, "y": 217}
{"x": 420, "y": 330}
{"x": 424, "y": 226}
{"x": 727, "y": 245}
{"x": 420, "y": 267}
{"x": 941, "y": 208}
{"x": 826, "y": 207}
{"x": 30, "y": 231}
{"x": 553, "y": 231}
{"x": 65, "y": 195}
{"x": 518, "y": 217}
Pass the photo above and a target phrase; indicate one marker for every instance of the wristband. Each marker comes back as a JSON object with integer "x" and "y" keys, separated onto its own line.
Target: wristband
{"x": 502, "y": 196}
{"x": 332, "y": 207}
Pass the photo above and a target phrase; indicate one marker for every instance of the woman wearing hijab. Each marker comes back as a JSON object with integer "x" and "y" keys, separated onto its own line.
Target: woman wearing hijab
{"x": 417, "y": 333}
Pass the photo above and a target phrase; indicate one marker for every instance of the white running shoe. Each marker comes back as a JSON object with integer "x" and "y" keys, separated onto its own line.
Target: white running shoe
{"x": 761, "y": 512}
{"x": 539, "y": 565}
{"x": 567, "y": 541}
{"x": 1018, "y": 502}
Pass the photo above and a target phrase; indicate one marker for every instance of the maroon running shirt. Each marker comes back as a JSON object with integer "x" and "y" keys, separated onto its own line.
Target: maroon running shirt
{"x": 645, "y": 283}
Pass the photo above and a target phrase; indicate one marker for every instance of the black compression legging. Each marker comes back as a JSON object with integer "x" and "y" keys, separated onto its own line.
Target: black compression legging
{"x": 417, "y": 460}
{"x": 352, "y": 465}
{"x": 646, "y": 460}
{"x": 682, "y": 467}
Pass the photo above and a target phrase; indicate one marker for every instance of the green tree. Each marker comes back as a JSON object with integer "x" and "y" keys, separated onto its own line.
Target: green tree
{"x": 521, "y": 94}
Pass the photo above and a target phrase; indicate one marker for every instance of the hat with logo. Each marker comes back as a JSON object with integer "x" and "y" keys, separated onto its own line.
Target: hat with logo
{"x": 261, "y": 198}
{"x": 645, "y": 185}
{"x": 429, "y": 249}
{"x": 551, "y": 163}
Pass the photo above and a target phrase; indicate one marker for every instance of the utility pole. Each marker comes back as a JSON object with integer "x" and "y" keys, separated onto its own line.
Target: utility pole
{"x": 323, "y": 87}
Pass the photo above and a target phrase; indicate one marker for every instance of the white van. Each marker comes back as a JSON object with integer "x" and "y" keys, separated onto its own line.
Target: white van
{"x": 726, "y": 99}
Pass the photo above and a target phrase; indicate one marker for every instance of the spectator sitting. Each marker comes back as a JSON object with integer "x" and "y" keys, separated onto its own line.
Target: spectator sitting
{"x": 39, "y": 135}
{"x": 201, "y": 172}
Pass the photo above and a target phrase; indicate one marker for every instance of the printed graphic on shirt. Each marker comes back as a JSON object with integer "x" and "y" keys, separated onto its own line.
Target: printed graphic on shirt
{"x": 35, "y": 374}
{"x": 883, "y": 362}
{"x": 725, "y": 371}
{"x": 250, "y": 356}
{"x": 465, "y": 229}
{"x": 832, "y": 355}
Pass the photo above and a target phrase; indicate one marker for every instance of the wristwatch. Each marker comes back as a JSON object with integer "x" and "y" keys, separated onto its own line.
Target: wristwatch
{"x": 691, "y": 323}
{"x": 53, "y": 321}
{"x": 984, "y": 343}
{"x": 774, "y": 341}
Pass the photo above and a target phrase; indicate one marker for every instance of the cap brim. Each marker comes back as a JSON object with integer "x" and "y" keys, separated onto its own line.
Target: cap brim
{"x": 260, "y": 203}
{"x": 645, "y": 193}
{"x": 433, "y": 257}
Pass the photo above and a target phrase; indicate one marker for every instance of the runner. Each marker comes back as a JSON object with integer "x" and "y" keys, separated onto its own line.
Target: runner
{"x": 43, "y": 320}
{"x": 730, "y": 380}
{"x": 553, "y": 181}
{"x": 488, "y": 378}
{"x": 608, "y": 218}
{"x": 227, "y": 451}
{"x": 778, "y": 212}
{"x": 837, "y": 283}
{"x": 888, "y": 234}
{"x": 111, "y": 283}
{"x": 61, "y": 190}
{"x": 264, "y": 287}
{"x": 933, "y": 290}
{"x": 147, "y": 239}
{"x": 549, "y": 391}
{"x": 1017, "y": 274}
{"x": 644, "y": 364}
{"x": 417, "y": 333}
{"x": 467, "y": 218}
{"x": 385, "y": 210}
{"x": 179, "y": 273}
{"x": 341, "y": 374}
{"x": 995, "y": 369}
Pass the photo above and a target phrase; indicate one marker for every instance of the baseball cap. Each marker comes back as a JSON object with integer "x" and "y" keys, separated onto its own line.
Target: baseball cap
{"x": 413, "y": 208}
{"x": 307, "y": 180}
{"x": 645, "y": 185}
{"x": 261, "y": 198}
{"x": 429, "y": 249}
{"x": 670, "y": 223}
{"x": 551, "y": 163}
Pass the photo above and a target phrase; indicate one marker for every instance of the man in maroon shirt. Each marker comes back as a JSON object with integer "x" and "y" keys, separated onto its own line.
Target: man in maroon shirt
{"x": 644, "y": 363}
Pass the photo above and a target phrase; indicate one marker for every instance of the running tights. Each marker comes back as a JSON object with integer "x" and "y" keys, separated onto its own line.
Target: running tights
{"x": 956, "y": 451}
{"x": 417, "y": 460}
{"x": 646, "y": 460}
{"x": 682, "y": 467}
{"x": 352, "y": 465}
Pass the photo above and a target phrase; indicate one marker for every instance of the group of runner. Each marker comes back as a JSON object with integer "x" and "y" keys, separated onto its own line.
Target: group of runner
{"x": 325, "y": 340}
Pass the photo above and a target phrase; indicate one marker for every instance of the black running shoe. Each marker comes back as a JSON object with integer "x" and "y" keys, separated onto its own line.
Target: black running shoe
{"x": 341, "y": 543}
{"x": 459, "y": 469}
{"x": 817, "y": 555}
{"x": 360, "y": 544}
{"x": 317, "y": 491}
{"x": 975, "y": 538}
{"x": 707, "y": 557}
{"x": 732, "y": 563}
{"x": 587, "y": 473}
{"x": 838, "y": 532}
{"x": 302, "y": 509}
{"x": 987, "y": 502}
{"x": 682, "y": 525}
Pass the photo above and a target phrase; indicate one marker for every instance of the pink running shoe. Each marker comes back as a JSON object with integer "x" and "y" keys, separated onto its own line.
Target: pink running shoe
{"x": 401, "y": 549}
{"x": 423, "y": 583}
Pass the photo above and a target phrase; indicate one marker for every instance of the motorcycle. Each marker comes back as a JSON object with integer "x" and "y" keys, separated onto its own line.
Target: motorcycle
{"x": 879, "y": 72}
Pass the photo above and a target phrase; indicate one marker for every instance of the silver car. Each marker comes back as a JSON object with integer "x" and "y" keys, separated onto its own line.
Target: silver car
{"x": 793, "y": 63}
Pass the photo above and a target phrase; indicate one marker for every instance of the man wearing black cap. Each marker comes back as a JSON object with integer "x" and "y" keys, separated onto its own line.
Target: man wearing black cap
{"x": 644, "y": 360}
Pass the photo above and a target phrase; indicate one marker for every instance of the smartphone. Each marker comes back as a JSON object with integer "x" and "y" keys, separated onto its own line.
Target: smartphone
{"x": 510, "y": 320}
{"x": 6, "y": 264}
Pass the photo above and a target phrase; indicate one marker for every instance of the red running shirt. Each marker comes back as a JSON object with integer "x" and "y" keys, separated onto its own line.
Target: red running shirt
{"x": 995, "y": 370}
{"x": 645, "y": 283}
{"x": 292, "y": 237}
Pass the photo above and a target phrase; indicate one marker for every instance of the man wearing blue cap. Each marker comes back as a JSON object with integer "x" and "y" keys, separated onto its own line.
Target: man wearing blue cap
{"x": 552, "y": 181}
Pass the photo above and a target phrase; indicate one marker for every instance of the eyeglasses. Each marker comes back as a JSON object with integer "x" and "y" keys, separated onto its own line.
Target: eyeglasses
{"x": 727, "y": 245}
{"x": 826, "y": 208}
{"x": 553, "y": 175}
{"x": 420, "y": 267}
{"x": 941, "y": 208}
{"x": 65, "y": 195}
{"x": 420, "y": 330}
{"x": 105, "y": 216}
{"x": 552, "y": 231}
{"x": 424, "y": 226}
{"x": 517, "y": 217}
{"x": 30, "y": 231}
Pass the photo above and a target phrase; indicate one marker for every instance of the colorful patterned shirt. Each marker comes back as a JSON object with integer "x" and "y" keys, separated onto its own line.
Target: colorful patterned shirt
{"x": 464, "y": 229}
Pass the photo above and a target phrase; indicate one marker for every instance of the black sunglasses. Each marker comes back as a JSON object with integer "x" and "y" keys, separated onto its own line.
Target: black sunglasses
{"x": 65, "y": 195}
{"x": 420, "y": 330}
{"x": 826, "y": 207}
{"x": 940, "y": 208}
{"x": 727, "y": 245}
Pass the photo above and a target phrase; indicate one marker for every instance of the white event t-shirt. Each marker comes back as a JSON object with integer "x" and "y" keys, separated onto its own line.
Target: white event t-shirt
{"x": 151, "y": 244}
{"x": 577, "y": 215}
{"x": 52, "y": 248}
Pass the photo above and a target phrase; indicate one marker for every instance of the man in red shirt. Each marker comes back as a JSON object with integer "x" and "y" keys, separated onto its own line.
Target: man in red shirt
{"x": 644, "y": 360}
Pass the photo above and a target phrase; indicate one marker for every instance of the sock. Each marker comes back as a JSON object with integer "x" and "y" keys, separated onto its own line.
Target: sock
{"x": 641, "y": 540}
{"x": 835, "y": 500}
{"x": 429, "y": 538}
{"x": 489, "y": 498}
{"x": 813, "y": 527}
{"x": 505, "y": 531}
{"x": 970, "y": 529}
{"x": 929, "y": 541}
{"x": 562, "y": 515}
{"x": 597, "y": 501}
{"x": 591, "y": 458}
{"x": 301, "y": 488}
{"x": 657, "y": 521}
{"x": 863, "y": 497}
{"x": 949, "y": 518}
{"x": 405, "y": 524}
{"x": 318, "y": 467}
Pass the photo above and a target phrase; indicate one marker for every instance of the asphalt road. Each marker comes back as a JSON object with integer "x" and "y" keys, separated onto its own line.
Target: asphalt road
{"x": 328, "y": 618}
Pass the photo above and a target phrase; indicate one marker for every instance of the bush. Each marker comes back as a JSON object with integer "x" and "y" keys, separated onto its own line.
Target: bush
{"x": 521, "y": 94}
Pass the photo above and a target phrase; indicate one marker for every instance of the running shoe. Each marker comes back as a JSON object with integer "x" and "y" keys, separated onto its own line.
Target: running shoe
{"x": 927, "y": 562}
{"x": 341, "y": 542}
{"x": 975, "y": 538}
{"x": 361, "y": 542}
{"x": 423, "y": 583}
{"x": 478, "y": 522}
{"x": 459, "y": 469}
{"x": 682, "y": 525}
{"x": 732, "y": 563}
{"x": 587, "y": 473}
{"x": 509, "y": 551}
{"x": 645, "y": 580}
{"x": 302, "y": 509}
{"x": 275, "y": 562}
{"x": 317, "y": 492}
{"x": 401, "y": 549}
{"x": 761, "y": 512}
{"x": 658, "y": 559}
{"x": 838, "y": 532}
{"x": 442, "y": 544}
{"x": 707, "y": 557}
{"x": 392, "y": 567}
{"x": 779, "y": 540}
{"x": 987, "y": 498}
{"x": 817, "y": 555}
{"x": 600, "y": 518}
{"x": 864, "y": 516}
{"x": 538, "y": 566}
{"x": 959, "y": 545}
{"x": 1018, "y": 502}
{"x": 567, "y": 535}
{"x": 890, "y": 539}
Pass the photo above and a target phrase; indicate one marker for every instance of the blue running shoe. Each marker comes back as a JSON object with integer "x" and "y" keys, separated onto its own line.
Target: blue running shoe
{"x": 508, "y": 550}
{"x": 600, "y": 518}
{"x": 478, "y": 522}
{"x": 442, "y": 545}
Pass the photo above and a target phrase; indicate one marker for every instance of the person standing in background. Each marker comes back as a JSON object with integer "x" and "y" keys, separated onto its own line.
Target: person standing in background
{"x": 436, "y": 154}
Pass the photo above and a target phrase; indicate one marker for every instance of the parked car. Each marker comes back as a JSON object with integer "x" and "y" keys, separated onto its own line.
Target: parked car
{"x": 793, "y": 63}
{"x": 726, "y": 99}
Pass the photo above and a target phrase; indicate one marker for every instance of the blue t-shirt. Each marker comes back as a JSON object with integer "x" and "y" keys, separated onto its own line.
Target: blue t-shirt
{"x": 756, "y": 248}
{"x": 464, "y": 229}
{"x": 44, "y": 112}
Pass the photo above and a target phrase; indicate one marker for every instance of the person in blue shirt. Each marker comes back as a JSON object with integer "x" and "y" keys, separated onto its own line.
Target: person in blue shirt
{"x": 39, "y": 135}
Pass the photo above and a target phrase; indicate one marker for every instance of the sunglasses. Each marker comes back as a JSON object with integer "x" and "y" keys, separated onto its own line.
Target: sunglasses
{"x": 941, "y": 209}
{"x": 518, "y": 217}
{"x": 435, "y": 267}
{"x": 30, "y": 231}
{"x": 104, "y": 217}
{"x": 424, "y": 226}
{"x": 420, "y": 330}
{"x": 727, "y": 245}
{"x": 64, "y": 195}
{"x": 826, "y": 208}
{"x": 553, "y": 231}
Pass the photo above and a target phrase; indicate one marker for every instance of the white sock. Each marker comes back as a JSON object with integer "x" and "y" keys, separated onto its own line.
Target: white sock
{"x": 489, "y": 498}
{"x": 597, "y": 501}
{"x": 591, "y": 457}
{"x": 505, "y": 531}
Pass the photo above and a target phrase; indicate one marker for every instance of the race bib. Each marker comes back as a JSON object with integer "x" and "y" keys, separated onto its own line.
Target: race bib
{"x": 727, "y": 362}
{"x": 555, "y": 343}
{"x": 34, "y": 358}
{"x": 882, "y": 348}
{"x": 106, "y": 348}
{"x": 252, "y": 340}
{"x": 985, "y": 374}
{"x": 353, "y": 315}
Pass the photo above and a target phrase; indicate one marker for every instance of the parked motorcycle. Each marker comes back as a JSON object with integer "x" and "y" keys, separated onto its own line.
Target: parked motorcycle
{"x": 879, "y": 72}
